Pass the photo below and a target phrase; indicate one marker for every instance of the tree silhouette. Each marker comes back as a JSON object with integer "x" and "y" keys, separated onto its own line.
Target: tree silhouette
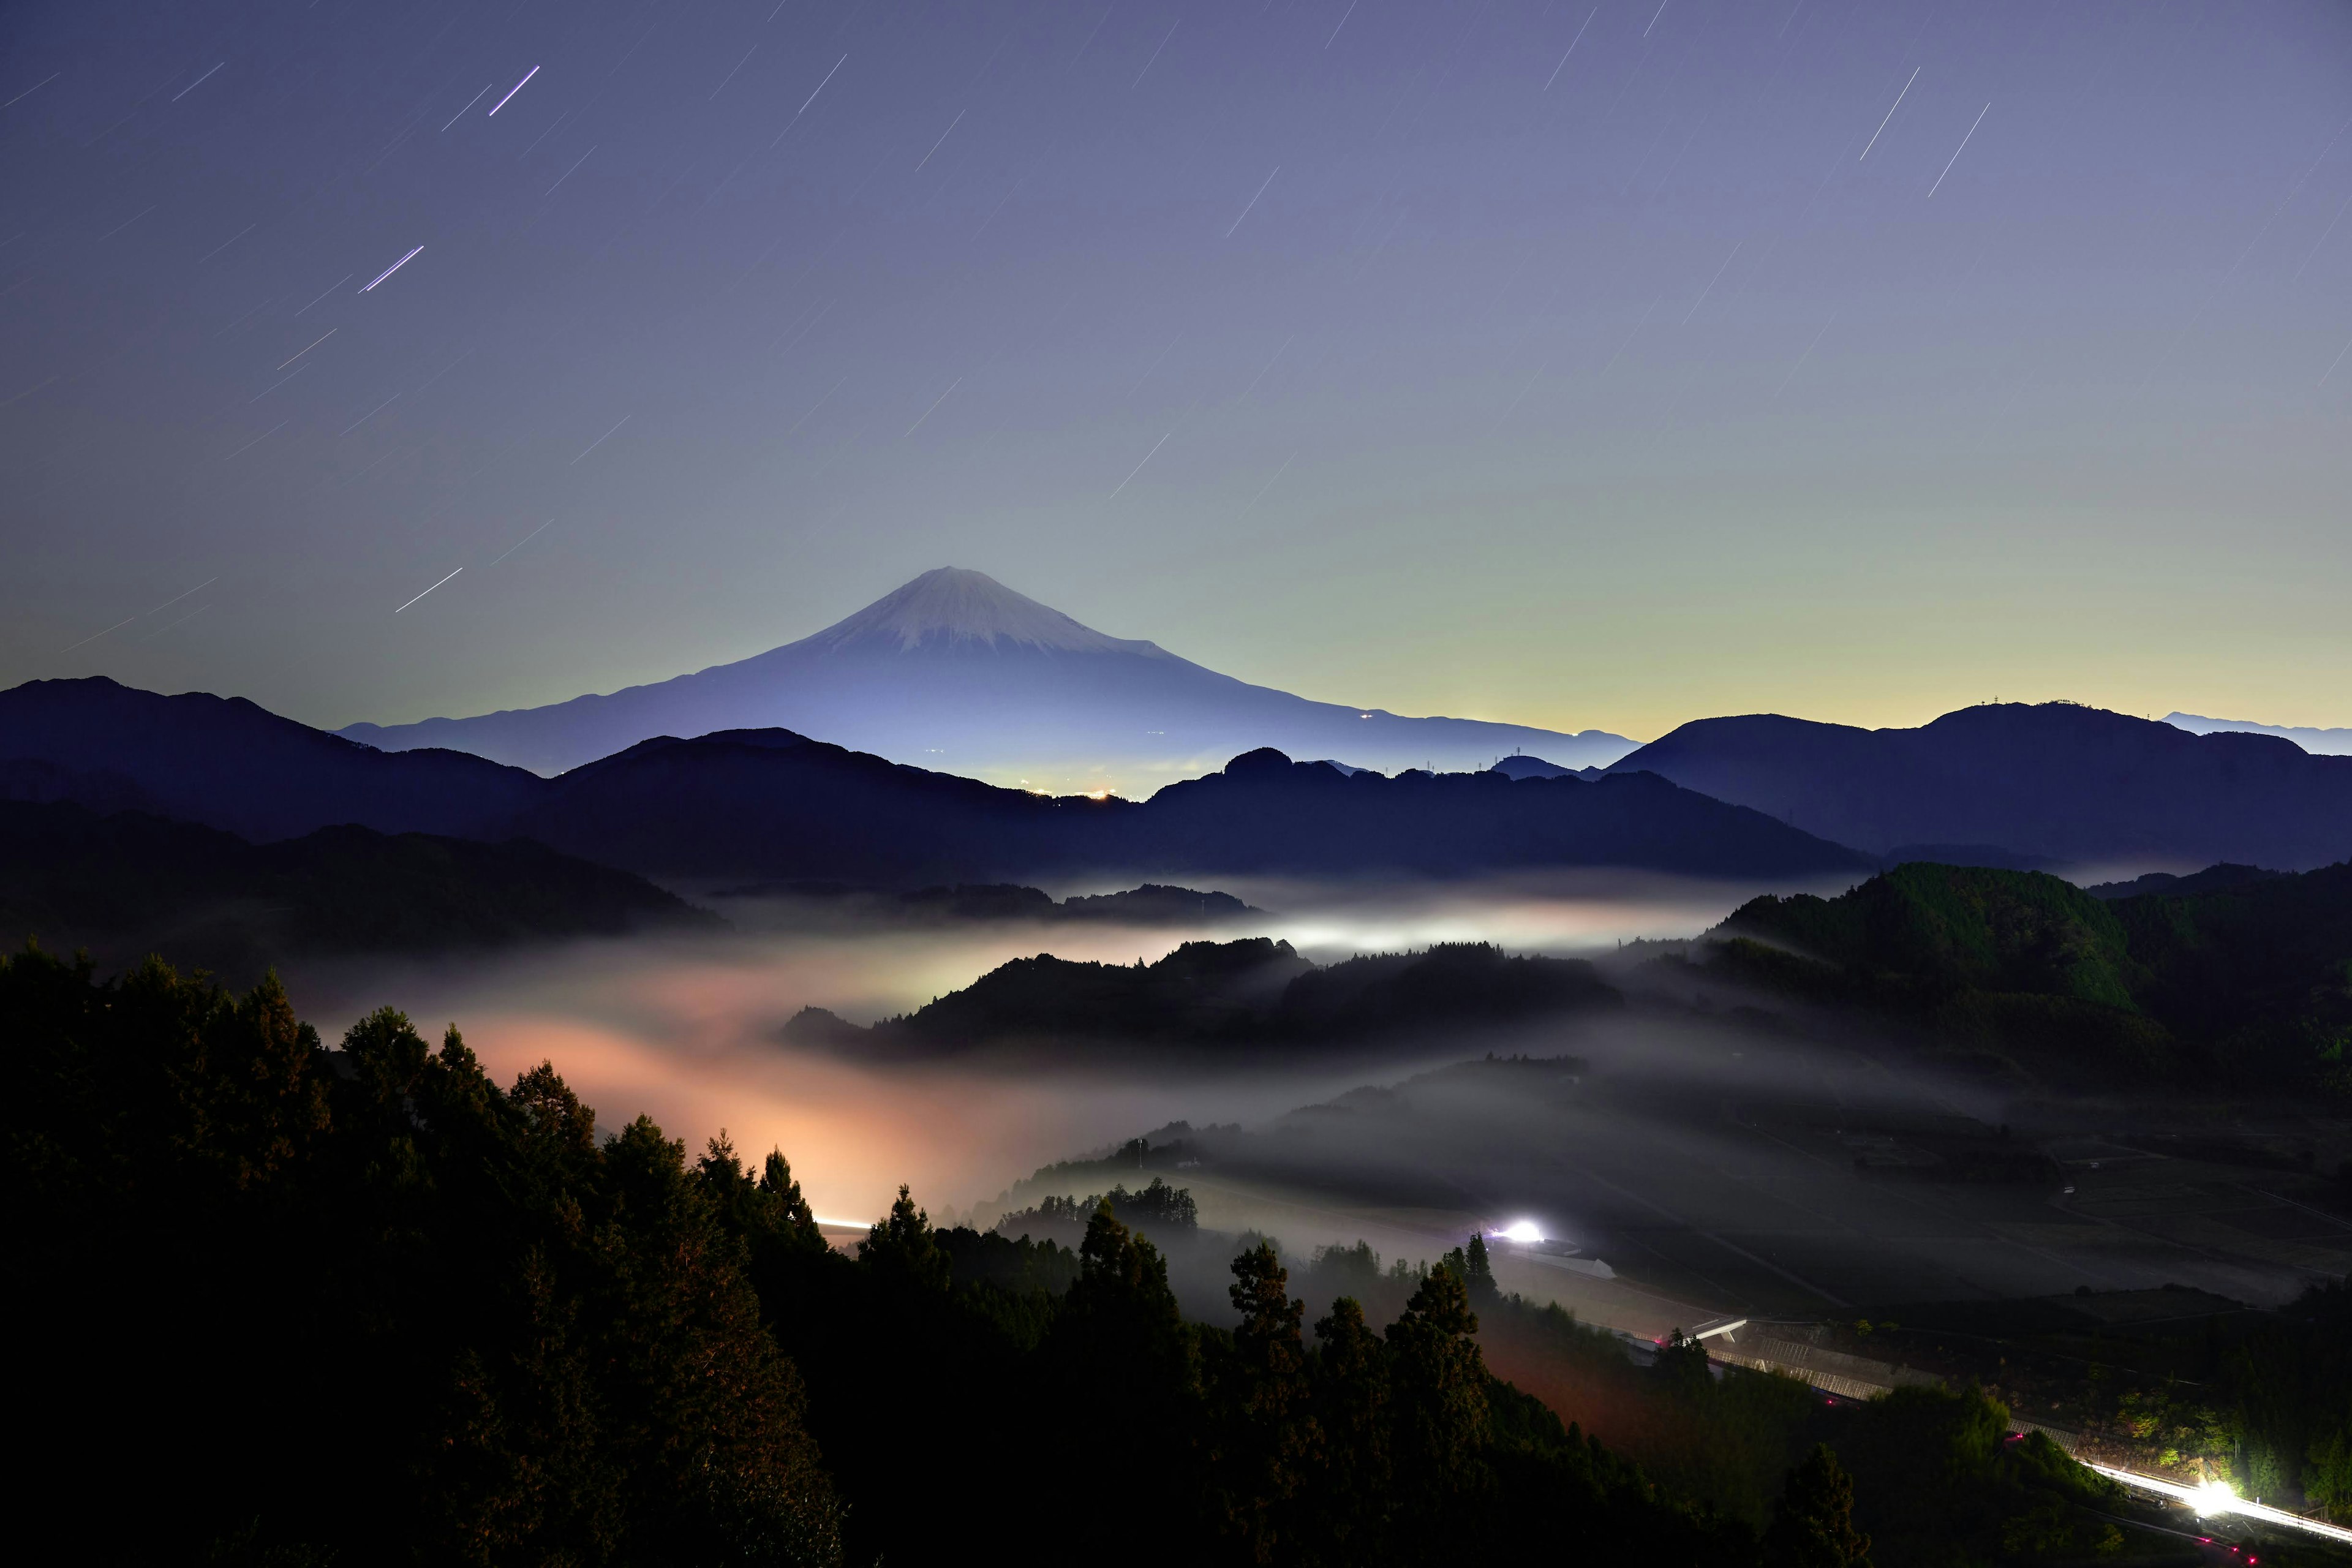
{"x": 1268, "y": 1441}
{"x": 1813, "y": 1523}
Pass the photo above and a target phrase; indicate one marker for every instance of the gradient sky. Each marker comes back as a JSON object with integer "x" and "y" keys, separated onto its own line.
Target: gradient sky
{"x": 1391, "y": 351}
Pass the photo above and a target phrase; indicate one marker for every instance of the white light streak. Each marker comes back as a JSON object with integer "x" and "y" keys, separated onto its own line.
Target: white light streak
{"x": 738, "y": 66}
{"x": 943, "y": 138}
{"x": 518, "y": 543}
{"x": 2334, "y": 363}
{"x": 600, "y": 440}
{"x": 1264, "y": 488}
{"x": 313, "y": 344}
{"x": 927, "y": 413}
{"x": 469, "y": 103}
{"x": 1958, "y": 150}
{"x": 1155, "y": 55}
{"x": 391, "y": 269}
{"x": 330, "y": 288}
{"x": 492, "y": 115}
{"x": 1571, "y": 49}
{"x": 258, "y": 440}
{"x": 1806, "y": 356}
{"x": 1711, "y": 283}
{"x": 796, "y": 120}
{"x": 368, "y": 416}
{"x": 1139, "y": 467}
{"x": 1343, "y": 22}
{"x": 1890, "y": 114}
{"x": 569, "y": 173}
{"x": 1253, "y": 202}
{"x": 428, "y": 590}
{"x": 32, "y": 90}
{"x": 195, "y": 84}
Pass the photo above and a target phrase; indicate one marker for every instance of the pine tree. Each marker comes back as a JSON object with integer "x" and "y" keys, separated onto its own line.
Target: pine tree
{"x": 901, "y": 1247}
{"x": 1478, "y": 1274}
{"x": 1438, "y": 1381}
{"x": 1267, "y": 1436}
{"x": 1350, "y": 1498}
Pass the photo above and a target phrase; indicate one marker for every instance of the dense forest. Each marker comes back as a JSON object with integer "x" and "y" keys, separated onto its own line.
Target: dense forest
{"x": 2245, "y": 980}
{"x": 362, "y": 1305}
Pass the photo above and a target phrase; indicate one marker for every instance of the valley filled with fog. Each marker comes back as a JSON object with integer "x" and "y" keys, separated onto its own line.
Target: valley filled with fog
{"x": 1692, "y": 1155}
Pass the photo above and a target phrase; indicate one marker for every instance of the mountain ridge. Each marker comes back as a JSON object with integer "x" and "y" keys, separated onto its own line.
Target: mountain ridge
{"x": 2055, "y": 782}
{"x": 777, "y": 804}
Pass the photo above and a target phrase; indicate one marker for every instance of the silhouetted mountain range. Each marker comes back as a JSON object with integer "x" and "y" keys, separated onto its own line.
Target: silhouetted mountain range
{"x": 773, "y": 803}
{"x": 2015, "y": 784}
{"x": 955, "y": 671}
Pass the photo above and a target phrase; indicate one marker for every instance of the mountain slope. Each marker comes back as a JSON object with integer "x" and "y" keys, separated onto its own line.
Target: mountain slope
{"x": 227, "y": 763}
{"x": 955, "y": 671}
{"x": 2245, "y": 978}
{"x": 2067, "y": 783}
{"x": 1263, "y": 813}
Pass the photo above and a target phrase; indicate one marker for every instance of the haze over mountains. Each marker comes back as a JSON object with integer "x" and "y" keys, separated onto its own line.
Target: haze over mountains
{"x": 2317, "y": 742}
{"x": 956, "y": 671}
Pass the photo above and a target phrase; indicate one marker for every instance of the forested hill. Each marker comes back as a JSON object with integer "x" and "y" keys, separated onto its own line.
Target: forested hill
{"x": 127, "y": 883}
{"x": 2248, "y": 979}
{"x": 402, "y": 1315}
{"x": 1254, "y": 991}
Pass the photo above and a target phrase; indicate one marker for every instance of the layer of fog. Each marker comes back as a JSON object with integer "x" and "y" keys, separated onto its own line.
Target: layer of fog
{"x": 686, "y": 1030}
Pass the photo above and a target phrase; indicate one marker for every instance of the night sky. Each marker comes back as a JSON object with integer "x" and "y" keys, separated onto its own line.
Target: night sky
{"x": 1518, "y": 359}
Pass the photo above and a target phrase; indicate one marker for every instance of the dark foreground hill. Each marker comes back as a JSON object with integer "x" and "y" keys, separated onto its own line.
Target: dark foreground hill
{"x": 128, "y": 884}
{"x": 1250, "y": 993}
{"x": 540, "y": 1345}
{"x": 2009, "y": 784}
{"x": 773, "y": 804}
{"x": 535, "y": 1340}
{"x": 2243, "y": 981}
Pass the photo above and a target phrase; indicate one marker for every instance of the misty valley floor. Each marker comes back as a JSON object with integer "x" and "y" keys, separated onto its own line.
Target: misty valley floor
{"x": 1710, "y": 1198}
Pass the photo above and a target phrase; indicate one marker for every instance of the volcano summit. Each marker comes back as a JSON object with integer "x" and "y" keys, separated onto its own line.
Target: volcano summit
{"x": 957, "y": 672}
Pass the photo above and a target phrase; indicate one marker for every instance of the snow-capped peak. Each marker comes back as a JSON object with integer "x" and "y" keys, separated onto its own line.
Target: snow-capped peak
{"x": 950, "y": 606}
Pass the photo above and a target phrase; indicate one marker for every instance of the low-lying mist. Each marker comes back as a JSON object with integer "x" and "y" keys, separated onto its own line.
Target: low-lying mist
{"x": 687, "y": 1029}
{"x": 1717, "y": 1152}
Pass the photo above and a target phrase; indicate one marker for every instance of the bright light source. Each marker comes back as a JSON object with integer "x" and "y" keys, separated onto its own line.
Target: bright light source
{"x": 2213, "y": 1496}
{"x": 1521, "y": 1230}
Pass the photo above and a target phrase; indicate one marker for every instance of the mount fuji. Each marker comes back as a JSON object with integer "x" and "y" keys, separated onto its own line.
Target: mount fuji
{"x": 956, "y": 673}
